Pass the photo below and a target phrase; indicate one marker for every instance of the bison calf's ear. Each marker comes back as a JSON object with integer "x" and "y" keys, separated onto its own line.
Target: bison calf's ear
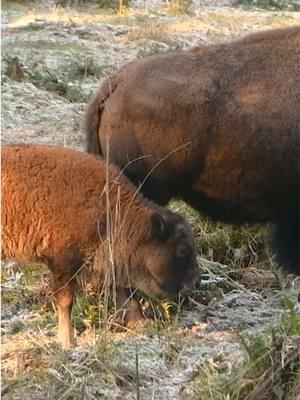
{"x": 158, "y": 226}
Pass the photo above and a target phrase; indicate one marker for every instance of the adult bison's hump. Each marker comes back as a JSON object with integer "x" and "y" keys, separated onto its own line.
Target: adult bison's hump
{"x": 258, "y": 73}
{"x": 217, "y": 125}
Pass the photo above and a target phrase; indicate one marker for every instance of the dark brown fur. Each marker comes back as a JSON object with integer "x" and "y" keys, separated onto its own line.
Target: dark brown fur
{"x": 217, "y": 126}
{"x": 66, "y": 208}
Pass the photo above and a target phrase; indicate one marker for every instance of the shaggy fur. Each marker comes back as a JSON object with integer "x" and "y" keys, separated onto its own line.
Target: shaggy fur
{"x": 65, "y": 208}
{"x": 217, "y": 126}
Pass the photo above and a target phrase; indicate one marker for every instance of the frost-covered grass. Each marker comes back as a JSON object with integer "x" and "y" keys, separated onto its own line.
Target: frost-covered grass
{"x": 197, "y": 354}
{"x": 225, "y": 341}
{"x": 235, "y": 332}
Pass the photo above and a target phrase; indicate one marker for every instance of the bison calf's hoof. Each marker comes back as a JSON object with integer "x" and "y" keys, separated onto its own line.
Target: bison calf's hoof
{"x": 129, "y": 312}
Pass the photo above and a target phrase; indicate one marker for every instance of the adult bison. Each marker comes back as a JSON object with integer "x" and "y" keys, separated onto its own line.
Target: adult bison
{"x": 217, "y": 126}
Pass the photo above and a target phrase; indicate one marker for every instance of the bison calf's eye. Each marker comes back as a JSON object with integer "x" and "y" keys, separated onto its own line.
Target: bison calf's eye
{"x": 183, "y": 251}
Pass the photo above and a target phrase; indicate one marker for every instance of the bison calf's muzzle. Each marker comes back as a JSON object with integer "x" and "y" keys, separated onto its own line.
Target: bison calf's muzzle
{"x": 74, "y": 213}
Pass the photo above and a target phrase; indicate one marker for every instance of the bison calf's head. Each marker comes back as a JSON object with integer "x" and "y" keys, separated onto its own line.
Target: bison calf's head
{"x": 162, "y": 259}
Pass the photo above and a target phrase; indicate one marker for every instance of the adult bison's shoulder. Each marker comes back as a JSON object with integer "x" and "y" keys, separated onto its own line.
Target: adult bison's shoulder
{"x": 217, "y": 126}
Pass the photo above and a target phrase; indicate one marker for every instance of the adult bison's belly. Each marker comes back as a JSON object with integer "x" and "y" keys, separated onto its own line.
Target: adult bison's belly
{"x": 248, "y": 178}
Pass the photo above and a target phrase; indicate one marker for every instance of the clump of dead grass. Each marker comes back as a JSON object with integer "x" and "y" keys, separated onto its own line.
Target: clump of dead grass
{"x": 148, "y": 29}
{"x": 178, "y": 6}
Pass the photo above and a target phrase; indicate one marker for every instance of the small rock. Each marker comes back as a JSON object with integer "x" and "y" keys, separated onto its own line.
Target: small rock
{"x": 15, "y": 327}
{"x": 49, "y": 333}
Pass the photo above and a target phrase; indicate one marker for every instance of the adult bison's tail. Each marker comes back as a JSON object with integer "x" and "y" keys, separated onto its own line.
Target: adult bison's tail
{"x": 285, "y": 243}
{"x": 93, "y": 115}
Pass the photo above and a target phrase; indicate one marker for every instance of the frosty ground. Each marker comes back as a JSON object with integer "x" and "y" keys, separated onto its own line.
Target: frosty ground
{"x": 53, "y": 59}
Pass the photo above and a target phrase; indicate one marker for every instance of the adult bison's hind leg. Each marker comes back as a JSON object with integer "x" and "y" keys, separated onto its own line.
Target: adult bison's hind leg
{"x": 285, "y": 244}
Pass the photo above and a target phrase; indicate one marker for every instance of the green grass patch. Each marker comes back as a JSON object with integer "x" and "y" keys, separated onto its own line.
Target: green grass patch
{"x": 69, "y": 83}
{"x": 148, "y": 49}
{"x": 236, "y": 246}
{"x": 23, "y": 282}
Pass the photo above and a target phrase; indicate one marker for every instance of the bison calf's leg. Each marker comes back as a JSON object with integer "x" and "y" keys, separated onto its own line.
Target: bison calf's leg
{"x": 63, "y": 293}
{"x": 129, "y": 312}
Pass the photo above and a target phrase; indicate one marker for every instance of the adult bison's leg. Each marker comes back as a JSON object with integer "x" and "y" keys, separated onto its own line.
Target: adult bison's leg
{"x": 285, "y": 243}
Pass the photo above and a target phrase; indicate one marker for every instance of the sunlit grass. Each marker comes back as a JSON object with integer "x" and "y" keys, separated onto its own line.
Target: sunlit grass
{"x": 104, "y": 363}
{"x": 205, "y": 18}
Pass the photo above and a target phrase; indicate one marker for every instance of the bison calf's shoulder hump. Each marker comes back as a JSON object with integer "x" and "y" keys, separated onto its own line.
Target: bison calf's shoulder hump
{"x": 67, "y": 208}
{"x": 217, "y": 126}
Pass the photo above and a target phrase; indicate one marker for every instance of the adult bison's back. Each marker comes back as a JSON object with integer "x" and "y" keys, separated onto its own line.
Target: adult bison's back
{"x": 217, "y": 126}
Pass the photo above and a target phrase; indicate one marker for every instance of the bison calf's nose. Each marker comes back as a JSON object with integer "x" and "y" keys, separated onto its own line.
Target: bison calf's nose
{"x": 190, "y": 283}
{"x": 76, "y": 214}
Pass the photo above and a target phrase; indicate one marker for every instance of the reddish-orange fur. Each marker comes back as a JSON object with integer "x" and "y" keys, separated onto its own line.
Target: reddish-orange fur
{"x": 55, "y": 206}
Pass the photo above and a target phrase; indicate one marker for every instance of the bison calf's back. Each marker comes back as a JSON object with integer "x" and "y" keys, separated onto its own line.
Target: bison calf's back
{"x": 67, "y": 209}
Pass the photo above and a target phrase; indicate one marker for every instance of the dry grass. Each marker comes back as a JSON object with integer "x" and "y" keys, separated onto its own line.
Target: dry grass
{"x": 187, "y": 351}
{"x": 115, "y": 364}
{"x": 148, "y": 29}
{"x": 178, "y": 6}
{"x": 110, "y": 364}
{"x": 206, "y": 19}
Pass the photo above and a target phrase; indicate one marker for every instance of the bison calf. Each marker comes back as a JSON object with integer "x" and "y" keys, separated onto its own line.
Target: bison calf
{"x": 67, "y": 208}
{"x": 217, "y": 126}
